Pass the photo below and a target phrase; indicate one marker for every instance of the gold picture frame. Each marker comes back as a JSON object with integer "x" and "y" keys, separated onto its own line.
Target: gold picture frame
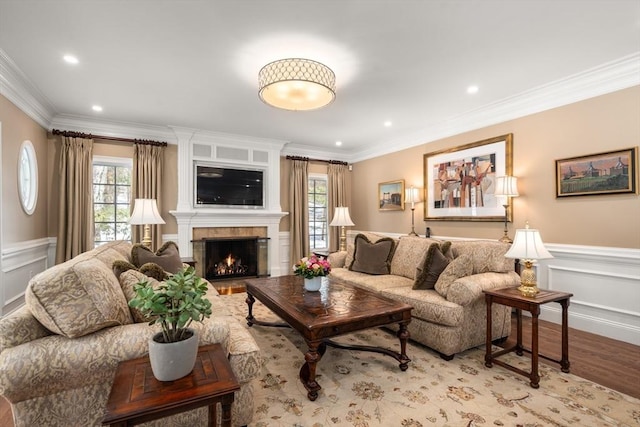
{"x": 459, "y": 182}
{"x": 391, "y": 195}
{"x": 611, "y": 172}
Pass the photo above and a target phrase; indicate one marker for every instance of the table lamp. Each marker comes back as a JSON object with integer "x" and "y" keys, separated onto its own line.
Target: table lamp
{"x": 505, "y": 187}
{"x": 145, "y": 212}
{"x": 527, "y": 246}
{"x": 413, "y": 195}
{"x": 342, "y": 219}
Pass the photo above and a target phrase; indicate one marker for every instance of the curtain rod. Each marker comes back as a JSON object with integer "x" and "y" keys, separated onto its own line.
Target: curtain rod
{"x": 110, "y": 138}
{"x": 306, "y": 159}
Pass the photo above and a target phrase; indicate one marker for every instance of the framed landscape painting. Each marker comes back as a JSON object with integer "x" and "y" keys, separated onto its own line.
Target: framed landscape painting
{"x": 613, "y": 172}
{"x": 391, "y": 195}
{"x": 459, "y": 182}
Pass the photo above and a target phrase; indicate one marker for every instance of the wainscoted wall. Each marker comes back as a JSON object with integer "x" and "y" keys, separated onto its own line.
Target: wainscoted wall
{"x": 20, "y": 262}
{"x": 605, "y": 282}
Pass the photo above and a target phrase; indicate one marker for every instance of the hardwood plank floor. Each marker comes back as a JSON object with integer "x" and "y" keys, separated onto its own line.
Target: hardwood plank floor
{"x": 611, "y": 363}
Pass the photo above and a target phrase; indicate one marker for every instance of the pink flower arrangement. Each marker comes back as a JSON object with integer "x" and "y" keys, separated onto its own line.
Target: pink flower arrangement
{"x": 312, "y": 266}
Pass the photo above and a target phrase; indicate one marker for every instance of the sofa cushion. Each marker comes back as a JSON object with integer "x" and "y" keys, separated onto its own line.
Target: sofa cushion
{"x": 372, "y": 257}
{"x": 462, "y": 266}
{"x": 108, "y": 252}
{"x": 375, "y": 283}
{"x": 409, "y": 253}
{"x": 373, "y": 237}
{"x": 434, "y": 263}
{"x": 428, "y": 305}
{"x": 77, "y": 297}
{"x": 167, "y": 257}
{"x": 128, "y": 280}
{"x": 487, "y": 255}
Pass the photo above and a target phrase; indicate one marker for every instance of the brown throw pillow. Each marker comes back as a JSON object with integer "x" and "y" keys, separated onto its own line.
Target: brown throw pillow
{"x": 167, "y": 257}
{"x": 435, "y": 261}
{"x": 372, "y": 258}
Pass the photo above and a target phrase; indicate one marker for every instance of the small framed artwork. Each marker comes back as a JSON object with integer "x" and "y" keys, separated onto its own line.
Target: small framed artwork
{"x": 391, "y": 195}
{"x": 459, "y": 182}
{"x": 613, "y": 172}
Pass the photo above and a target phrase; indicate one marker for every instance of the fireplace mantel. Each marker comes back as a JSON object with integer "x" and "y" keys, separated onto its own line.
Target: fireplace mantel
{"x": 228, "y": 150}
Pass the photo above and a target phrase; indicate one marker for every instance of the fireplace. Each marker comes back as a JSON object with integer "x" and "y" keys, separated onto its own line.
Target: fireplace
{"x": 232, "y": 257}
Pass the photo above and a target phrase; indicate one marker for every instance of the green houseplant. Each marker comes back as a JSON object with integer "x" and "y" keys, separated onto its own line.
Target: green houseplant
{"x": 174, "y": 304}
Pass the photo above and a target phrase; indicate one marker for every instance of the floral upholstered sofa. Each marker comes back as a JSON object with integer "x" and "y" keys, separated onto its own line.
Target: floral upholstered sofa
{"x": 59, "y": 352}
{"x": 442, "y": 281}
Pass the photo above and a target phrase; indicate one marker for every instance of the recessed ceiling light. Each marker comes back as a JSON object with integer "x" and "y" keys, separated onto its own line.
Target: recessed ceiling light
{"x": 472, "y": 89}
{"x": 70, "y": 59}
{"x": 338, "y": 143}
{"x": 388, "y": 123}
{"x": 96, "y": 108}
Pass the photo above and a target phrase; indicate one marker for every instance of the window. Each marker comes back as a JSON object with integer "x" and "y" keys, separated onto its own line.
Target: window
{"x": 318, "y": 222}
{"x": 111, "y": 199}
{"x": 28, "y": 177}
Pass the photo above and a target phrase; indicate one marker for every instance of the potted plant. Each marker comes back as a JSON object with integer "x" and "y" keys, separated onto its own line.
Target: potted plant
{"x": 313, "y": 268}
{"x": 173, "y": 304}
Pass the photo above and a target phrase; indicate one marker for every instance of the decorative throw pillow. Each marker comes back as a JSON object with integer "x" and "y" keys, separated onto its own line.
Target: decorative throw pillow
{"x": 372, "y": 257}
{"x": 150, "y": 269}
{"x": 373, "y": 237}
{"x": 77, "y": 298}
{"x": 167, "y": 257}
{"x": 459, "y": 267}
{"x": 435, "y": 261}
{"x": 409, "y": 254}
{"x": 128, "y": 280}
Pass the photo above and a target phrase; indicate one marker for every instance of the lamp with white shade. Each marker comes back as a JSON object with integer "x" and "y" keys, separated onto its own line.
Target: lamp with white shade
{"x": 413, "y": 195}
{"x": 528, "y": 247}
{"x": 505, "y": 187}
{"x": 145, "y": 212}
{"x": 342, "y": 219}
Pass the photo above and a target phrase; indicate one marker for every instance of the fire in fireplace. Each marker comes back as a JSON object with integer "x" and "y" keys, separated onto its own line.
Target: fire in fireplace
{"x": 231, "y": 257}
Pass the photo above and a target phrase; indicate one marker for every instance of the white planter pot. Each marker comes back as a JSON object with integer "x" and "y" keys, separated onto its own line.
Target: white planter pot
{"x": 171, "y": 361}
{"x": 313, "y": 284}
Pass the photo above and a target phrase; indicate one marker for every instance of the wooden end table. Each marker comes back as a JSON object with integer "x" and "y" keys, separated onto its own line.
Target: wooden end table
{"x": 513, "y": 298}
{"x": 137, "y": 397}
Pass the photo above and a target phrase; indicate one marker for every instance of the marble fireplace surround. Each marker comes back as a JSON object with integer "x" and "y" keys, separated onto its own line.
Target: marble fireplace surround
{"x": 228, "y": 151}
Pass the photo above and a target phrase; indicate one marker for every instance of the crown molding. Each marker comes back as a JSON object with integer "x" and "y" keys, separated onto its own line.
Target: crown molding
{"x": 17, "y": 88}
{"x": 612, "y": 76}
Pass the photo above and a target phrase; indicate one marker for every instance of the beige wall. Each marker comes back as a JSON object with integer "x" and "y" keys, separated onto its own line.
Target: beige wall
{"x": 17, "y": 127}
{"x": 600, "y": 124}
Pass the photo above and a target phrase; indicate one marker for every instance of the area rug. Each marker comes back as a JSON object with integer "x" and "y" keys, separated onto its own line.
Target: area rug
{"x": 364, "y": 389}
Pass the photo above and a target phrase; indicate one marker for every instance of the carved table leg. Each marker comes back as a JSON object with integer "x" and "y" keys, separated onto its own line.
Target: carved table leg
{"x": 250, "y": 300}
{"x": 564, "y": 362}
{"x": 534, "y": 377}
{"x": 308, "y": 370}
{"x": 403, "y": 334}
{"x": 488, "y": 359}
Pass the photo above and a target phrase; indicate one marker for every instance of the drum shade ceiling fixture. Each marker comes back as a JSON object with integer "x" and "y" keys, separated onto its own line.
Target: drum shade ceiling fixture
{"x": 297, "y": 84}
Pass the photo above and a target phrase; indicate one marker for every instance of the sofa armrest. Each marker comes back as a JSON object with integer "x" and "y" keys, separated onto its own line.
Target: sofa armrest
{"x": 56, "y": 363}
{"x": 20, "y": 327}
{"x": 465, "y": 290}
{"x": 337, "y": 259}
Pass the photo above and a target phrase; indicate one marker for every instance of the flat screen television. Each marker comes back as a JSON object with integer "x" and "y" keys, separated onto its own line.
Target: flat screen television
{"x": 231, "y": 187}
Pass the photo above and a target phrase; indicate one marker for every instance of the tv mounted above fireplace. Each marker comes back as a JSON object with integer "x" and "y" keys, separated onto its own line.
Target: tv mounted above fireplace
{"x": 223, "y": 186}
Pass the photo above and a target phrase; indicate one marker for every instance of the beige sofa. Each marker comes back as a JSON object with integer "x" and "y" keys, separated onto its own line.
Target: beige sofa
{"x": 59, "y": 352}
{"x": 451, "y": 317}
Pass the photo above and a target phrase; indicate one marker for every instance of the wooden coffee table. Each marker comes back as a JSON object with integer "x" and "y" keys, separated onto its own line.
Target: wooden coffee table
{"x": 337, "y": 309}
{"x": 136, "y": 396}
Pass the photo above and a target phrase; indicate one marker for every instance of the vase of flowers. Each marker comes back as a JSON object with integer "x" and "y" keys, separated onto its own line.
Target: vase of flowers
{"x": 312, "y": 268}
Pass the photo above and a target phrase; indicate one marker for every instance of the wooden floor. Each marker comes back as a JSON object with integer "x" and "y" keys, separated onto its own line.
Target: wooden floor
{"x": 614, "y": 364}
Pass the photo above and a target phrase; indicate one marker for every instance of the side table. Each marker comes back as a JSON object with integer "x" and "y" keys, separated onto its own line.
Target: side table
{"x": 137, "y": 397}
{"x": 513, "y": 298}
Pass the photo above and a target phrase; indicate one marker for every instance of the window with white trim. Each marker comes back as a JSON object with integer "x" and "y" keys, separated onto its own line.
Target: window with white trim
{"x": 111, "y": 199}
{"x": 318, "y": 203}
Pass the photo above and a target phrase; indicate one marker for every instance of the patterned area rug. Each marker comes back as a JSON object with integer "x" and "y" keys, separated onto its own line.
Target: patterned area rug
{"x": 363, "y": 389}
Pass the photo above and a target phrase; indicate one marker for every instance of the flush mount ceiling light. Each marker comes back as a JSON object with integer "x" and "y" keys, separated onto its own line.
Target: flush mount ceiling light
{"x": 297, "y": 84}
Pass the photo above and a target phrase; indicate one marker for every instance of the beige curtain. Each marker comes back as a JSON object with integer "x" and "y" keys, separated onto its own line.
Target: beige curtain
{"x": 146, "y": 183}
{"x": 75, "y": 213}
{"x": 299, "y": 210}
{"x": 337, "y": 181}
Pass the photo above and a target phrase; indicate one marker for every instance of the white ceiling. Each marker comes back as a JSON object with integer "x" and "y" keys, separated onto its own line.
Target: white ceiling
{"x": 195, "y": 63}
